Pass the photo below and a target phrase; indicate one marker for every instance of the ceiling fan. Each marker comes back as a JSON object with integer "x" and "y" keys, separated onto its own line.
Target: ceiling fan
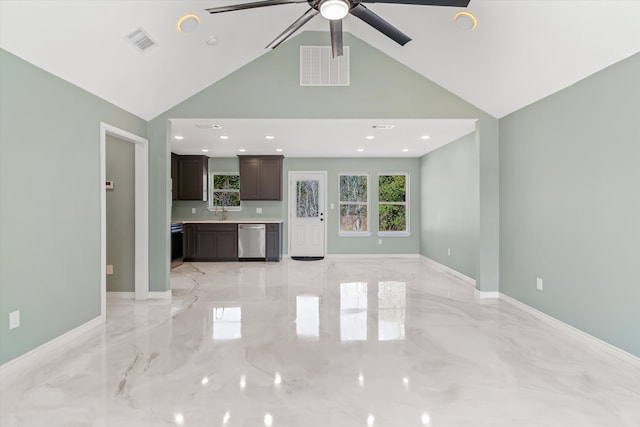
{"x": 334, "y": 11}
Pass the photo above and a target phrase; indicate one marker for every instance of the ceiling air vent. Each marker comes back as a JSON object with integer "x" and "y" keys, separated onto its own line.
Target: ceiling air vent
{"x": 141, "y": 40}
{"x": 318, "y": 68}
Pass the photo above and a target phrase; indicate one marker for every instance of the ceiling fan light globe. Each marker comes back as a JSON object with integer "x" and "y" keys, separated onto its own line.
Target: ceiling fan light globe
{"x": 334, "y": 9}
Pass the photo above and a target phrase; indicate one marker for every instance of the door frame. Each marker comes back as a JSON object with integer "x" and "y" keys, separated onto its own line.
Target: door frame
{"x": 141, "y": 196}
{"x": 291, "y": 196}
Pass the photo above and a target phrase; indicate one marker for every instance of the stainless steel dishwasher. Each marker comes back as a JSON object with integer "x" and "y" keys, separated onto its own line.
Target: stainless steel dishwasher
{"x": 251, "y": 241}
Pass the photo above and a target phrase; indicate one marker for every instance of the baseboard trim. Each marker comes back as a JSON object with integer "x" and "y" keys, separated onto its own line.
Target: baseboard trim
{"x": 132, "y": 295}
{"x": 486, "y": 294}
{"x": 22, "y": 363}
{"x": 160, "y": 295}
{"x": 593, "y": 342}
{"x": 413, "y": 256}
{"x": 449, "y": 270}
{"x": 121, "y": 295}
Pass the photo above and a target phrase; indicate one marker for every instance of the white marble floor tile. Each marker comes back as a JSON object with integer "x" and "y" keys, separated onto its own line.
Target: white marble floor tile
{"x": 338, "y": 342}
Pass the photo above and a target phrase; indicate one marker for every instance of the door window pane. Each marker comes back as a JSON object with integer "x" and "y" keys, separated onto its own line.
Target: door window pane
{"x": 307, "y": 199}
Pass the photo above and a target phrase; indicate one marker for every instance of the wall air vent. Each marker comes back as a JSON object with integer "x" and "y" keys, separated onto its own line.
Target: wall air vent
{"x": 383, "y": 127}
{"x": 318, "y": 68}
{"x": 140, "y": 39}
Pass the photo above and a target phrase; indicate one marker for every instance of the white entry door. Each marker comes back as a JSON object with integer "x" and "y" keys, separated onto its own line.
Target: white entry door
{"x": 307, "y": 222}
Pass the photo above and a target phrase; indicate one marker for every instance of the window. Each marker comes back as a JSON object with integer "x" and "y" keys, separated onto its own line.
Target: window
{"x": 354, "y": 204}
{"x": 393, "y": 204}
{"x": 224, "y": 191}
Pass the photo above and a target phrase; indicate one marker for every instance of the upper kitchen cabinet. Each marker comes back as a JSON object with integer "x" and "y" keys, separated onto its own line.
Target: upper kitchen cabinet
{"x": 261, "y": 177}
{"x": 174, "y": 176}
{"x": 193, "y": 172}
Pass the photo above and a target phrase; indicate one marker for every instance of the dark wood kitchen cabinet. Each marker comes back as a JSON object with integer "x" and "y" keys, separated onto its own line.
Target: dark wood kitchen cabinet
{"x": 174, "y": 176}
{"x": 261, "y": 177}
{"x": 193, "y": 173}
{"x": 274, "y": 242}
{"x": 211, "y": 242}
{"x": 189, "y": 241}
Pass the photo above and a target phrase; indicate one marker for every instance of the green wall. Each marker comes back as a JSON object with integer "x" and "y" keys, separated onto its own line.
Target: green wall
{"x": 380, "y": 87}
{"x": 50, "y": 203}
{"x": 120, "y": 168}
{"x": 570, "y": 205}
{"x": 449, "y": 205}
{"x": 335, "y": 244}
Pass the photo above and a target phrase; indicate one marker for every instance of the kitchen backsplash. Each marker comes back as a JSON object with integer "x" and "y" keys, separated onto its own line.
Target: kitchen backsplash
{"x": 182, "y": 210}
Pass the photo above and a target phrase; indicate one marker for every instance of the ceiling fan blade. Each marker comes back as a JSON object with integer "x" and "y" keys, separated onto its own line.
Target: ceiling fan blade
{"x": 452, "y": 3}
{"x": 293, "y": 28}
{"x": 251, "y": 5}
{"x": 380, "y": 24}
{"x": 336, "y": 37}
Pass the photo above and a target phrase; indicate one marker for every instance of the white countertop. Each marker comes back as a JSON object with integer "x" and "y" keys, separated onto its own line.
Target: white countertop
{"x": 229, "y": 221}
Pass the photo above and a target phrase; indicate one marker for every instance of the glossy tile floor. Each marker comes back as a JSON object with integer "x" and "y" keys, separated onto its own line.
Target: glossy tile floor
{"x": 339, "y": 343}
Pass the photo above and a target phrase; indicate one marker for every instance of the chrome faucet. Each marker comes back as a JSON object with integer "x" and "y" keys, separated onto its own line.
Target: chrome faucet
{"x": 222, "y": 214}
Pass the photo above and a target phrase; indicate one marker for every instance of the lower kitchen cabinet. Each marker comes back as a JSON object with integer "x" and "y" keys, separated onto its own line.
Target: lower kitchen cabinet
{"x": 219, "y": 242}
{"x": 210, "y": 242}
{"x": 274, "y": 242}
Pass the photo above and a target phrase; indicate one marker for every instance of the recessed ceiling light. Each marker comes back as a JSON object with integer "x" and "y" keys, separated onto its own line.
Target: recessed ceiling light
{"x": 425, "y": 137}
{"x": 204, "y": 150}
{"x": 224, "y": 137}
{"x": 279, "y": 150}
{"x": 360, "y": 150}
{"x": 179, "y": 137}
{"x": 370, "y": 137}
{"x": 242, "y": 150}
{"x": 188, "y": 23}
{"x": 465, "y": 20}
{"x": 405, "y": 150}
{"x": 270, "y": 137}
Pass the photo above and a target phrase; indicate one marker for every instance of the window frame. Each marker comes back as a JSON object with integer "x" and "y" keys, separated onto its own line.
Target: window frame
{"x": 211, "y": 207}
{"x": 406, "y": 203}
{"x": 347, "y": 233}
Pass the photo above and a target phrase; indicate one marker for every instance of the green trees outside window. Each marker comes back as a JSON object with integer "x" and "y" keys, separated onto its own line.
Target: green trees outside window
{"x": 392, "y": 206}
{"x": 354, "y": 205}
{"x": 225, "y": 190}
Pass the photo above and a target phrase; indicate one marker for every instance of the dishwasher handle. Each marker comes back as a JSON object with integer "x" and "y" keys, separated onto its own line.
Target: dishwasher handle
{"x": 251, "y": 226}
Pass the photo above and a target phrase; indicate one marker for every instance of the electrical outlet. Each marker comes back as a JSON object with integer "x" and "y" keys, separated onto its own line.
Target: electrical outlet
{"x": 448, "y": 251}
{"x": 14, "y": 319}
{"x": 379, "y": 241}
{"x": 109, "y": 269}
{"x": 258, "y": 210}
{"x": 193, "y": 210}
{"x": 539, "y": 283}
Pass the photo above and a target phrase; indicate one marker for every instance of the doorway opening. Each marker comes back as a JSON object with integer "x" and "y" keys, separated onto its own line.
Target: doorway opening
{"x": 141, "y": 161}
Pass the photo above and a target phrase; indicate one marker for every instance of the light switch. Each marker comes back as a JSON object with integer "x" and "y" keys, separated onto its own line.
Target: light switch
{"x": 258, "y": 210}
{"x": 332, "y": 206}
{"x": 14, "y": 319}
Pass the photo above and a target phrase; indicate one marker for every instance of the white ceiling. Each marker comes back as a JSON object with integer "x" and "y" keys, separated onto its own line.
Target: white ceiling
{"x": 316, "y": 137}
{"x": 522, "y": 50}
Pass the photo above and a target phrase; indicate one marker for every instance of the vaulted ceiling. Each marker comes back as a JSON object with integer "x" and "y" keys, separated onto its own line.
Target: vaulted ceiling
{"x": 520, "y": 52}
